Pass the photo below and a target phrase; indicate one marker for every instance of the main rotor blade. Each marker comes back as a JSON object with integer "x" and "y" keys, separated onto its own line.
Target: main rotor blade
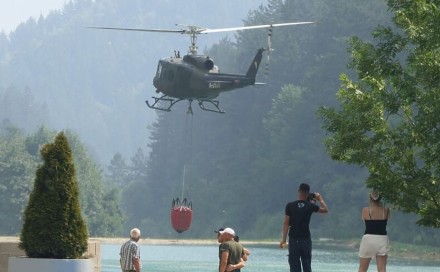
{"x": 251, "y": 27}
{"x": 140, "y": 29}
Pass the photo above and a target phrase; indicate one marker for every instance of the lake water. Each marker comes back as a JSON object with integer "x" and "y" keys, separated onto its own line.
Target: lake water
{"x": 203, "y": 258}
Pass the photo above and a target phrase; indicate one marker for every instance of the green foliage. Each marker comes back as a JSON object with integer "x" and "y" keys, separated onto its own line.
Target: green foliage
{"x": 388, "y": 120}
{"x": 17, "y": 169}
{"x": 109, "y": 220}
{"x": 53, "y": 225}
{"x": 19, "y": 106}
{"x": 99, "y": 205}
{"x": 345, "y": 218}
{"x": 19, "y": 157}
{"x": 118, "y": 171}
{"x": 36, "y": 140}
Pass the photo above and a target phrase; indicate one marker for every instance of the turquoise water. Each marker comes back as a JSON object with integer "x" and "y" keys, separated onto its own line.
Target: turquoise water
{"x": 198, "y": 258}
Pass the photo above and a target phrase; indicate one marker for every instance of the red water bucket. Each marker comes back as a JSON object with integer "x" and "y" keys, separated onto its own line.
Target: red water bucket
{"x": 181, "y": 215}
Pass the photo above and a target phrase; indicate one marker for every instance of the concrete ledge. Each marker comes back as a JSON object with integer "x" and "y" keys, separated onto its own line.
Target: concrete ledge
{"x": 9, "y": 248}
{"x": 20, "y": 264}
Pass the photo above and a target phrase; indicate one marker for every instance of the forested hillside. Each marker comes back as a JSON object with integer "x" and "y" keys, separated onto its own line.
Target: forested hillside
{"x": 239, "y": 168}
{"x": 242, "y": 167}
{"x": 19, "y": 158}
{"x": 96, "y": 82}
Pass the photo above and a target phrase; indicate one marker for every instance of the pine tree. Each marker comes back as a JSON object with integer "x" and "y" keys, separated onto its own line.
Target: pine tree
{"x": 53, "y": 225}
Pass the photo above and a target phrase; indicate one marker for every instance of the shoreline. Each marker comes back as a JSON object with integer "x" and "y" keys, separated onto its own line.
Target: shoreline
{"x": 153, "y": 241}
{"x": 399, "y": 250}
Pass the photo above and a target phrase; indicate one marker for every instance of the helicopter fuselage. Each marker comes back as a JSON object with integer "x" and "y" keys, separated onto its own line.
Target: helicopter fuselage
{"x": 195, "y": 77}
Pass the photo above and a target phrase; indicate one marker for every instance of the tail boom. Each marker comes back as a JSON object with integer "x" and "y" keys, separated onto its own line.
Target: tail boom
{"x": 253, "y": 68}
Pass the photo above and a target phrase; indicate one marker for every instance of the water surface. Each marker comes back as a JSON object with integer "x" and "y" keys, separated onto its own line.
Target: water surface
{"x": 202, "y": 258}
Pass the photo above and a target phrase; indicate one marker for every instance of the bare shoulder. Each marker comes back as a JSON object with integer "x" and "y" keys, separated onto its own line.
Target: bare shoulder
{"x": 365, "y": 213}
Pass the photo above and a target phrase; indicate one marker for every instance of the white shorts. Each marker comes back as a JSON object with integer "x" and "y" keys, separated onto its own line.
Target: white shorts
{"x": 374, "y": 245}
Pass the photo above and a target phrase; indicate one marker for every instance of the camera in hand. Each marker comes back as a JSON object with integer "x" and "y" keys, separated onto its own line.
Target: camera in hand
{"x": 311, "y": 197}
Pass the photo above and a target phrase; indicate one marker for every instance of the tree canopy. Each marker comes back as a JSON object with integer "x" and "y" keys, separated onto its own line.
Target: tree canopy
{"x": 53, "y": 224}
{"x": 388, "y": 120}
{"x": 19, "y": 158}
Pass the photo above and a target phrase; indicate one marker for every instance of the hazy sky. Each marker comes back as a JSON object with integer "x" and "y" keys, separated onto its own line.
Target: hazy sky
{"x": 14, "y": 12}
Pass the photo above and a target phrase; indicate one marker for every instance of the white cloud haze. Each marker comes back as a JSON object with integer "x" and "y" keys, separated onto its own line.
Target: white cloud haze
{"x": 15, "y": 12}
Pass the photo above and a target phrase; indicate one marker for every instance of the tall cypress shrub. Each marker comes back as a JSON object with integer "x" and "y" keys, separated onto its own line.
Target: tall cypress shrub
{"x": 53, "y": 225}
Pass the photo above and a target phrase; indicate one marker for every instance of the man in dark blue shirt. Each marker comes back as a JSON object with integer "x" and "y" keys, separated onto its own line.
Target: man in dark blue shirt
{"x": 296, "y": 223}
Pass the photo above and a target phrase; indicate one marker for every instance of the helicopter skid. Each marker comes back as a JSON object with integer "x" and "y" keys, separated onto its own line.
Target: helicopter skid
{"x": 171, "y": 101}
{"x": 166, "y": 98}
{"x": 215, "y": 103}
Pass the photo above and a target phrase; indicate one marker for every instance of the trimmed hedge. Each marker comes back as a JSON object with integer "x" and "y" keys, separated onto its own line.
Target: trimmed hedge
{"x": 53, "y": 225}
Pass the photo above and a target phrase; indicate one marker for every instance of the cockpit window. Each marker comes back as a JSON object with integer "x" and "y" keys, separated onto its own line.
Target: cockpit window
{"x": 165, "y": 72}
{"x": 159, "y": 69}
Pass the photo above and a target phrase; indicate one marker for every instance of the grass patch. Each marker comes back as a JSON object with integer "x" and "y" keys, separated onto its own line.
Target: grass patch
{"x": 421, "y": 252}
{"x": 398, "y": 249}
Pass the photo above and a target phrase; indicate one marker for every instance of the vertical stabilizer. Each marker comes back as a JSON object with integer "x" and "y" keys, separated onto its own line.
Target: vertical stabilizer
{"x": 252, "y": 71}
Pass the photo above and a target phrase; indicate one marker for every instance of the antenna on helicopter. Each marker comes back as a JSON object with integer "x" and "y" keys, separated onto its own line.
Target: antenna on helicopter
{"x": 269, "y": 49}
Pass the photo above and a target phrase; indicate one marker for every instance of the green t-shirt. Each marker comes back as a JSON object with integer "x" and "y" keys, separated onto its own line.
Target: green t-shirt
{"x": 235, "y": 251}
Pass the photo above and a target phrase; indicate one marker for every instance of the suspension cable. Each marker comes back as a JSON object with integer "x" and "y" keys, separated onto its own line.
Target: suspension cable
{"x": 189, "y": 152}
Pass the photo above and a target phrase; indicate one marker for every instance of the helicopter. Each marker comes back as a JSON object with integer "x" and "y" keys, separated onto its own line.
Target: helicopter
{"x": 196, "y": 77}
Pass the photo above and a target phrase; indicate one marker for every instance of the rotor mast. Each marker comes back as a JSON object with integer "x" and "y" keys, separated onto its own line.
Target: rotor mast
{"x": 193, "y": 47}
{"x": 192, "y": 31}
